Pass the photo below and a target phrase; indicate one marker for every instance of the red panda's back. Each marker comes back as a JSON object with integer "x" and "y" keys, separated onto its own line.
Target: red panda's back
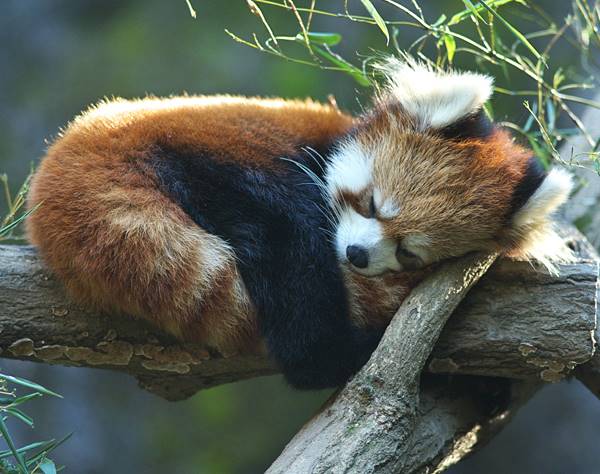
{"x": 117, "y": 242}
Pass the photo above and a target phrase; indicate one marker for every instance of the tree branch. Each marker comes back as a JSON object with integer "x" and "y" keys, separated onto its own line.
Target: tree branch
{"x": 583, "y": 212}
{"x": 519, "y": 322}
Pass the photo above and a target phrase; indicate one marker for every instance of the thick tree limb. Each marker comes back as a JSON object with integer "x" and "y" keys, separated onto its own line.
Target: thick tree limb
{"x": 376, "y": 412}
{"x": 538, "y": 328}
{"x": 519, "y": 322}
{"x": 522, "y": 323}
{"x": 380, "y": 422}
{"x": 456, "y": 418}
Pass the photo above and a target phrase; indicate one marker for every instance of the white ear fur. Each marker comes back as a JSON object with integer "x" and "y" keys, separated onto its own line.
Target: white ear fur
{"x": 435, "y": 98}
{"x": 532, "y": 222}
{"x": 553, "y": 191}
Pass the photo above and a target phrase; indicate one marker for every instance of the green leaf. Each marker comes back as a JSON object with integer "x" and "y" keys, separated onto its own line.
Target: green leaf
{"x": 550, "y": 116}
{"x": 49, "y": 446}
{"x": 515, "y": 32}
{"x": 489, "y": 110}
{"x": 440, "y": 20}
{"x": 475, "y": 9}
{"x": 25, "y": 398}
{"x": 28, "y": 384}
{"x": 330, "y": 39}
{"x": 530, "y": 119}
{"x": 356, "y": 73}
{"x": 29, "y": 447}
{"x": 377, "y": 17}
{"x": 47, "y": 466}
{"x": 450, "y": 44}
{"x": 539, "y": 151}
{"x": 6, "y": 229}
{"x": 11, "y": 446}
{"x": 20, "y": 415}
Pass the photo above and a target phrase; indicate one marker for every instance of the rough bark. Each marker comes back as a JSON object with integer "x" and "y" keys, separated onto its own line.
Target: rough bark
{"x": 519, "y": 322}
{"x": 459, "y": 417}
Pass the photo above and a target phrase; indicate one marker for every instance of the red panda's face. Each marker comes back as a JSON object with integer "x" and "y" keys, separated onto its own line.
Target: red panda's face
{"x": 424, "y": 178}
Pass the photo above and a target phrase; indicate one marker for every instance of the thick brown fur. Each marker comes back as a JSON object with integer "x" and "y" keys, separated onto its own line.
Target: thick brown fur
{"x": 443, "y": 186}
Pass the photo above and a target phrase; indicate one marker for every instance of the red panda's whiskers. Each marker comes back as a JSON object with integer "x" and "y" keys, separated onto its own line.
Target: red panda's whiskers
{"x": 310, "y": 173}
{"x": 314, "y": 154}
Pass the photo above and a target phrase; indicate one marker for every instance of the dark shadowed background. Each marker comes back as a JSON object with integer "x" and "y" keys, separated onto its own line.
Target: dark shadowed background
{"x": 59, "y": 56}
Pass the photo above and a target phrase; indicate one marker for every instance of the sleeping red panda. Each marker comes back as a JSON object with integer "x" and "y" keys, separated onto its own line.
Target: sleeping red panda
{"x": 229, "y": 220}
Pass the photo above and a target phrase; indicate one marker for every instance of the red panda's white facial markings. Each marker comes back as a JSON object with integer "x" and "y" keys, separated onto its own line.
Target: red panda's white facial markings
{"x": 360, "y": 207}
{"x": 361, "y": 242}
{"x": 349, "y": 170}
{"x": 531, "y": 227}
{"x": 385, "y": 207}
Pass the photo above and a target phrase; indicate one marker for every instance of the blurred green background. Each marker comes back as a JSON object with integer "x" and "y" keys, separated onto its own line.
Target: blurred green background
{"x": 59, "y": 56}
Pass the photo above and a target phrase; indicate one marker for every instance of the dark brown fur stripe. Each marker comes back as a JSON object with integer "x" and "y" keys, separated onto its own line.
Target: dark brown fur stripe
{"x": 532, "y": 179}
{"x": 476, "y": 125}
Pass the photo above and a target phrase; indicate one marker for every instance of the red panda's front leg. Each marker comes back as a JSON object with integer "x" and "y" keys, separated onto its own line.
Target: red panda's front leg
{"x": 375, "y": 300}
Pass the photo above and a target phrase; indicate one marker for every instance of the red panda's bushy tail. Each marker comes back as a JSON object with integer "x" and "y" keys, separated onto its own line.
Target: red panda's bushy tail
{"x": 119, "y": 244}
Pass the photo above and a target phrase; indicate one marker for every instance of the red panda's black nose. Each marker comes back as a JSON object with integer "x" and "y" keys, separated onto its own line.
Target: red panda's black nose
{"x": 357, "y": 256}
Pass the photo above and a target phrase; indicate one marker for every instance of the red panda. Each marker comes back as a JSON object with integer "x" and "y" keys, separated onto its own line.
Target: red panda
{"x": 237, "y": 222}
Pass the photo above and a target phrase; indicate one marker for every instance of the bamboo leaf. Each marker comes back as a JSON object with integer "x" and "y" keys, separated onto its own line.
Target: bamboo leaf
{"x": 48, "y": 446}
{"x": 29, "y": 384}
{"x": 473, "y": 10}
{"x": 551, "y": 116}
{"x": 47, "y": 466}
{"x": 515, "y": 32}
{"x": 477, "y": 8}
{"x": 11, "y": 446}
{"x": 7, "y": 228}
{"x": 450, "y": 44}
{"x": 440, "y": 20}
{"x": 20, "y": 415}
{"x": 330, "y": 39}
{"x": 25, "y": 398}
{"x": 377, "y": 17}
{"x": 356, "y": 73}
{"x": 24, "y": 449}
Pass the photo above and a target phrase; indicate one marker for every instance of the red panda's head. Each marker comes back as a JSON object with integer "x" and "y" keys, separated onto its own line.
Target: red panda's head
{"x": 425, "y": 176}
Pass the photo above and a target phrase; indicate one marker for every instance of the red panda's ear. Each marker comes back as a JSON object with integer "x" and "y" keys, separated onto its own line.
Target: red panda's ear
{"x": 434, "y": 99}
{"x": 535, "y": 199}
